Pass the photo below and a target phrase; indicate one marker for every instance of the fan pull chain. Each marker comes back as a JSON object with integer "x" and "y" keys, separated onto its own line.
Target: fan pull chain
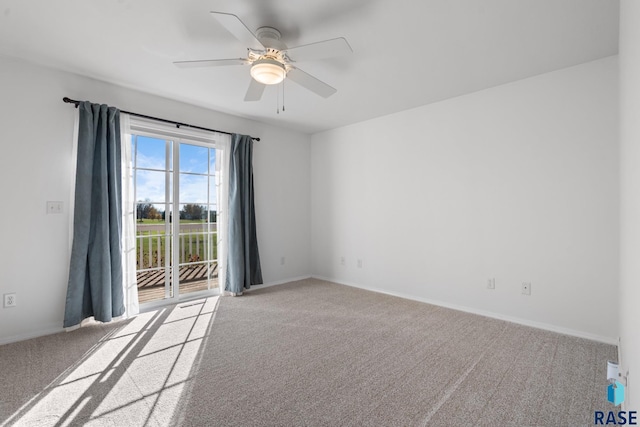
{"x": 284, "y": 76}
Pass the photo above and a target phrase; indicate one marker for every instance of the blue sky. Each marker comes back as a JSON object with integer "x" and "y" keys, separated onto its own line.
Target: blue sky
{"x": 193, "y": 160}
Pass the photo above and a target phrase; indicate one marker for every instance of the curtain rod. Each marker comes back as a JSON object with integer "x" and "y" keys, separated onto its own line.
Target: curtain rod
{"x": 178, "y": 124}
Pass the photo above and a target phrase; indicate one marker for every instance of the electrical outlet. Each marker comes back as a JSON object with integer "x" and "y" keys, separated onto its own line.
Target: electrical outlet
{"x": 282, "y": 260}
{"x": 359, "y": 263}
{"x": 491, "y": 283}
{"x": 342, "y": 261}
{"x": 9, "y": 300}
{"x": 526, "y": 288}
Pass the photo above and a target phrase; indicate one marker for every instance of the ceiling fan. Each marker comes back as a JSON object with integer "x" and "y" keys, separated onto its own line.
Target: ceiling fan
{"x": 271, "y": 60}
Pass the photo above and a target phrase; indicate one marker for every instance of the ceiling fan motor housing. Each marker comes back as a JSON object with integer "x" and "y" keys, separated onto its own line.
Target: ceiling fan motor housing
{"x": 270, "y": 38}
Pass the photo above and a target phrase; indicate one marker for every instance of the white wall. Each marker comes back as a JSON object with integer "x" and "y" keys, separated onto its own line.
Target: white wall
{"x": 630, "y": 198}
{"x": 517, "y": 183}
{"x": 36, "y": 165}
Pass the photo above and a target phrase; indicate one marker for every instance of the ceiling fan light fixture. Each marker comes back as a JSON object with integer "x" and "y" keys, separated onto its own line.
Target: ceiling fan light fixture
{"x": 268, "y": 71}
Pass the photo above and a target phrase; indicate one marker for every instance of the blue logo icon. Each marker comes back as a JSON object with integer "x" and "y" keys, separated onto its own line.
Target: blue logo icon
{"x": 615, "y": 393}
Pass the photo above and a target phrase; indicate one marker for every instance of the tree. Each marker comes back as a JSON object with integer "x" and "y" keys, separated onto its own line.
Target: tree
{"x": 192, "y": 211}
{"x": 143, "y": 209}
{"x": 153, "y": 213}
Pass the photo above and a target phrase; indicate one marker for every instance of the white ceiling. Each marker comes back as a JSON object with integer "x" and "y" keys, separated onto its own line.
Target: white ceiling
{"x": 407, "y": 53}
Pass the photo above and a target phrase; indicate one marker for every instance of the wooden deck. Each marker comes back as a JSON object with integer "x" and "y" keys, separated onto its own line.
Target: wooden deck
{"x": 193, "y": 278}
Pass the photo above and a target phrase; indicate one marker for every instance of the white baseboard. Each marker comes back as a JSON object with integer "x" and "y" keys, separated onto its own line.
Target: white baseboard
{"x": 41, "y": 332}
{"x": 52, "y": 329}
{"x": 518, "y": 320}
{"x": 279, "y": 282}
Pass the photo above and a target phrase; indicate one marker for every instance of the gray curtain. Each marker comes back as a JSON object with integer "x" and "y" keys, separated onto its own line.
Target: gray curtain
{"x": 243, "y": 260}
{"x": 95, "y": 271}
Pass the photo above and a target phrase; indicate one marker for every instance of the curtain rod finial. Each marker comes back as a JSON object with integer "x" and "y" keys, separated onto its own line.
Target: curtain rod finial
{"x": 70, "y": 101}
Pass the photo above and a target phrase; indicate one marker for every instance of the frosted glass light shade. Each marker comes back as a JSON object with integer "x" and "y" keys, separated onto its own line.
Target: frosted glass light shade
{"x": 267, "y": 71}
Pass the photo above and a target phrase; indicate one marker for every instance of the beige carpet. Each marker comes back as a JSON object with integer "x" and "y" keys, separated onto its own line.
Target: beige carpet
{"x": 308, "y": 353}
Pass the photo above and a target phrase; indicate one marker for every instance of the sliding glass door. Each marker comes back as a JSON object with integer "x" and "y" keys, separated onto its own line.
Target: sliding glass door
{"x": 176, "y": 189}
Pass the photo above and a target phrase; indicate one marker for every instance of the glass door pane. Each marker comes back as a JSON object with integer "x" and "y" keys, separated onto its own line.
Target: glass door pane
{"x": 152, "y": 161}
{"x": 197, "y": 237}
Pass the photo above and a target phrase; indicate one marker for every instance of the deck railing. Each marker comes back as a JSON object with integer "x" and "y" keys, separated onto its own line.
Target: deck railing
{"x": 197, "y": 243}
{"x": 197, "y": 259}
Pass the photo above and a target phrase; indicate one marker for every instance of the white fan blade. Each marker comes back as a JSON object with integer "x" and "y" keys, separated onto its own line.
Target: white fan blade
{"x": 255, "y": 90}
{"x": 309, "y": 82}
{"x": 235, "y": 26}
{"x": 320, "y": 50}
{"x": 211, "y": 63}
